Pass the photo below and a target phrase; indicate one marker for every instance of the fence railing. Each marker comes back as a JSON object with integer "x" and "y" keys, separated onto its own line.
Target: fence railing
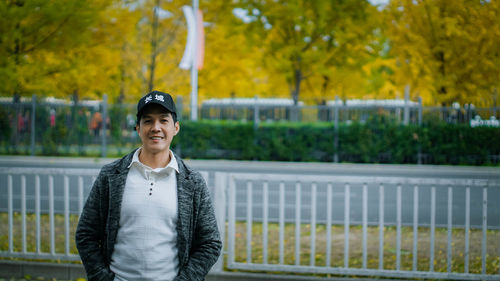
{"x": 33, "y": 193}
{"x": 287, "y": 203}
{"x": 374, "y": 226}
{"x": 39, "y": 192}
{"x": 94, "y": 128}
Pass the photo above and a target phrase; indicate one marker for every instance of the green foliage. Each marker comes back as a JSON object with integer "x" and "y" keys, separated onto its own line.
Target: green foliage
{"x": 53, "y": 137}
{"x": 294, "y": 142}
{"x": 311, "y": 51}
{"x": 379, "y": 140}
{"x": 304, "y": 40}
{"x": 34, "y": 34}
{"x": 446, "y": 52}
{"x": 117, "y": 113}
{"x": 222, "y": 139}
{"x": 460, "y": 144}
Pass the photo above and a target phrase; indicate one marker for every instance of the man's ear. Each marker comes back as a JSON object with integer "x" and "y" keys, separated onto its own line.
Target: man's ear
{"x": 177, "y": 127}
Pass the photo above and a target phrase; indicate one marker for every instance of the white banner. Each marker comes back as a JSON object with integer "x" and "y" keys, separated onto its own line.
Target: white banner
{"x": 187, "y": 58}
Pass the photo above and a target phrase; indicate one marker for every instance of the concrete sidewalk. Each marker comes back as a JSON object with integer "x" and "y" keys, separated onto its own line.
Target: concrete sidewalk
{"x": 49, "y": 271}
{"x": 408, "y": 170}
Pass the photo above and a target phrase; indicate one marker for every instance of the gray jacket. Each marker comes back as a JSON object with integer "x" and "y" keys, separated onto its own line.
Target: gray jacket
{"x": 198, "y": 238}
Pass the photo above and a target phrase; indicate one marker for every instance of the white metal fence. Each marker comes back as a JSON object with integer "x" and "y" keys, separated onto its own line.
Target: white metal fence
{"x": 277, "y": 191}
{"x": 41, "y": 207}
{"x": 40, "y": 191}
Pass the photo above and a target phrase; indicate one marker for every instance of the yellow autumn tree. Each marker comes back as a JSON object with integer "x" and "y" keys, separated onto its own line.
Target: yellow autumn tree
{"x": 446, "y": 52}
{"x": 146, "y": 39}
{"x": 351, "y": 41}
{"x": 309, "y": 41}
{"x": 36, "y": 35}
{"x": 232, "y": 65}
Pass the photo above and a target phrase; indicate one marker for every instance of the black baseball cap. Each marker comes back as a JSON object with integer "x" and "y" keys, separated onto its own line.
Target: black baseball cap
{"x": 157, "y": 97}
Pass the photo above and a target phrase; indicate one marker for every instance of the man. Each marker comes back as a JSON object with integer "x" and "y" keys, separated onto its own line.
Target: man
{"x": 148, "y": 215}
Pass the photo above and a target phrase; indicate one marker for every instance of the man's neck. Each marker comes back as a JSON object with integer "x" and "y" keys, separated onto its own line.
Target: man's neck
{"x": 155, "y": 160}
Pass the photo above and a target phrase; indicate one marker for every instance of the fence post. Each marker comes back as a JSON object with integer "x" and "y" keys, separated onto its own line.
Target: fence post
{"x": 406, "y": 119}
{"x": 336, "y": 130}
{"x": 256, "y": 113}
{"x": 178, "y": 106}
{"x": 256, "y": 119}
{"x": 33, "y": 112}
{"x": 16, "y": 103}
{"x": 294, "y": 112}
{"x": 220, "y": 214}
{"x": 420, "y": 109}
{"x": 397, "y": 112}
{"x": 495, "y": 96}
{"x": 419, "y": 155}
{"x": 104, "y": 124}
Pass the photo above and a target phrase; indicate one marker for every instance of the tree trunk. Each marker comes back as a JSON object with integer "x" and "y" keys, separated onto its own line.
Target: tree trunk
{"x": 324, "y": 86}
{"x": 154, "y": 46}
{"x": 298, "y": 80}
{"x": 121, "y": 95}
{"x": 294, "y": 114}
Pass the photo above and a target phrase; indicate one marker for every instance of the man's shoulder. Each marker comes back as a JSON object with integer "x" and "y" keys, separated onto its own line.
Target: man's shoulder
{"x": 118, "y": 164}
{"x": 188, "y": 171}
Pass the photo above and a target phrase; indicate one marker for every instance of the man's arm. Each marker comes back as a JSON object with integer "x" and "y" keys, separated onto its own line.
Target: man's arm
{"x": 206, "y": 242}
{"x": 90, "y": 235}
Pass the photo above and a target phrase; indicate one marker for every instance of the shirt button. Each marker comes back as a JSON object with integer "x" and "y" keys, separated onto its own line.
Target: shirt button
{"x": 151, "y": 183}
{"x": 150, "y": 189}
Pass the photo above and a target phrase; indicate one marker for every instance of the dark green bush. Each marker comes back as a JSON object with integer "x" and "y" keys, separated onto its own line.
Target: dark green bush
{"x": 222, "y": 139}
{"x": 5, "y": 130}
{"x": 378, "y": 140}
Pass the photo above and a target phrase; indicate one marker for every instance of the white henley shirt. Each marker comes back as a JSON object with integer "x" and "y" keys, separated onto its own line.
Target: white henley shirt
{"x": 146, "y": 243}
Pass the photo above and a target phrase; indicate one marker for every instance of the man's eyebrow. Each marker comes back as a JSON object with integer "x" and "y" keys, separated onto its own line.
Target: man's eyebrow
{"x": 149, "y": 115}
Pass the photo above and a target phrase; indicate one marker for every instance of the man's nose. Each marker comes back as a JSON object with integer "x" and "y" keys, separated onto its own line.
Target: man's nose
{"x": 156, "y": 126}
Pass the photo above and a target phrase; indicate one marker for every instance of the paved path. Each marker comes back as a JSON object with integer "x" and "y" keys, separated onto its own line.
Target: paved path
{"x": 293, "y": 168}
{"x": 19, "y": 271}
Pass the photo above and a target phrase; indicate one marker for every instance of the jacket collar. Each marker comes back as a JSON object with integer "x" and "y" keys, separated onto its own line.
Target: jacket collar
{"x": 123, "y": 164}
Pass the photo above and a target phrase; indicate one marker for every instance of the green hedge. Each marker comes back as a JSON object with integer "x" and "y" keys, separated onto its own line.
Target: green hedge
{"x": 377, "y": 141}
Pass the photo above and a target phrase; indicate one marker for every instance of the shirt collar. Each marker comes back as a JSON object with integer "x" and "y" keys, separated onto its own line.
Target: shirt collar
{"x": 171, "y": 165}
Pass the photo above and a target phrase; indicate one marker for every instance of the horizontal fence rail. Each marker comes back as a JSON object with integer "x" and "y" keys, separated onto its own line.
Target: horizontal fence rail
{"x": 400, "y": 196}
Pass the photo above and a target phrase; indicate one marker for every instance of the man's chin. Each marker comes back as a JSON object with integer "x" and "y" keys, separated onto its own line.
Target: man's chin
{"x": 155, "y": 149}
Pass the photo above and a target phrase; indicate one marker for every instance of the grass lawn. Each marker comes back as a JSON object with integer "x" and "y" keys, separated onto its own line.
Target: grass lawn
{"x": 356, "y": 247}
{"x": 337, "y": 248}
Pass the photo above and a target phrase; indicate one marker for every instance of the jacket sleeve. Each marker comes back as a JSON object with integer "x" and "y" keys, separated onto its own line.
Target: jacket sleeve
{"x": 205, "y": 241}
{"x": 91, "y": 235}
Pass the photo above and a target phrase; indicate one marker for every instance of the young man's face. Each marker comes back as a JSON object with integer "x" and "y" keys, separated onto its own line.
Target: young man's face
{"x": 156, "y": 129}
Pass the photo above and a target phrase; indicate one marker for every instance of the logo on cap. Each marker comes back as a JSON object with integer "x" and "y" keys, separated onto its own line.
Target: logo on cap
{"x": 159, "y": 97}
{"x": 148, "y": 99}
